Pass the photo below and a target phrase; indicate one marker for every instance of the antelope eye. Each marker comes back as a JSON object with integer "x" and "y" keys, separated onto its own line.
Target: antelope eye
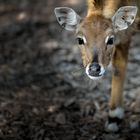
{"x": 109, "y": 40}
{"x": 81, "y": 40}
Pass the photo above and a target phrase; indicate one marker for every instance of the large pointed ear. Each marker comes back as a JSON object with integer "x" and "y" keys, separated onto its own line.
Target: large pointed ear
{"x": 124, "y": 17}
{"x": 67, "y": 18}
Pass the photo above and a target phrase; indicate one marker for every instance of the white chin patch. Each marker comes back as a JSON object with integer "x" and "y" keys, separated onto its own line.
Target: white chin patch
{"x": 95, "y": 77}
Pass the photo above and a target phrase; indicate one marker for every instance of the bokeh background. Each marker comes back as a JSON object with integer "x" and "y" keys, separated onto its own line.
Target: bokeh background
{"x": 44, "y": 92}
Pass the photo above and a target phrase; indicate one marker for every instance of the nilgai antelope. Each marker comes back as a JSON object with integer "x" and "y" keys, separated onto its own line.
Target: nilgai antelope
{"x": 104, "y": 38}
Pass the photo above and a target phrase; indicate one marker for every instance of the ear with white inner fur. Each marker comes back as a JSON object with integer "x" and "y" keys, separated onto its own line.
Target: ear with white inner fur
{"x": 67, "y": 18}
{"x": 124, "y": 17}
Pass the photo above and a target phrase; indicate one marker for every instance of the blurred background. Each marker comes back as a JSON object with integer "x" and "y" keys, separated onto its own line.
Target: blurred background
{"x": 44, "y": 92}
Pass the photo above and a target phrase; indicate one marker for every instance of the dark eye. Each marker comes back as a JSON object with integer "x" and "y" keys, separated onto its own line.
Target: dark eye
{"x": 110, "y": 40}
{"x": 80, "y": 41}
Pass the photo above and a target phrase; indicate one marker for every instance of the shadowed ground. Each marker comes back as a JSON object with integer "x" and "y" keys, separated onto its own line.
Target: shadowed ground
{"x": 44, "y": 93}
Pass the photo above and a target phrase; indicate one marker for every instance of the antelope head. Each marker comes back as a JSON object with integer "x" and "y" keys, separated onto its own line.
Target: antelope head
{"x": 96, "y": 34}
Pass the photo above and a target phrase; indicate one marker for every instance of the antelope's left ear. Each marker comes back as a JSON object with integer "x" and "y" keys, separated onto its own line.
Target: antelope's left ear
{"x": 124, "y": 17}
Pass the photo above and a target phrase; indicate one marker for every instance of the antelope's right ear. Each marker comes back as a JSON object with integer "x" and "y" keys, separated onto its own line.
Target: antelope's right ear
{"x": 67, "y": 18}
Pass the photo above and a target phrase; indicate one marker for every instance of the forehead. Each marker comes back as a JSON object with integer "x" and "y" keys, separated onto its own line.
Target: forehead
{"x": 94, "y": 25}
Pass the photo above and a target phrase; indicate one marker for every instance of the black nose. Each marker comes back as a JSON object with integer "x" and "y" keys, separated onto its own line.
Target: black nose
{"x": 94, "y": 69}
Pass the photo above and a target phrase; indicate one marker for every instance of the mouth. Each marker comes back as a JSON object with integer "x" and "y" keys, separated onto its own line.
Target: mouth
{"x": 94, "y": 75}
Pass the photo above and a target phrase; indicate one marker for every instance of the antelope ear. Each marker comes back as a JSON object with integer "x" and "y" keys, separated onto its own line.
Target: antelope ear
{"x": 67, "y": 18}
{"x": 124, "y": 17}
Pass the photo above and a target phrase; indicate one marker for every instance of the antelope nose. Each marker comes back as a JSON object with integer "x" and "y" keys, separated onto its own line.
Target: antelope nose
{"x": 94, "y": 69}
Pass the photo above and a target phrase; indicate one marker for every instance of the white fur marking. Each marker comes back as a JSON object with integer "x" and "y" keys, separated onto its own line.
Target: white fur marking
{"x": 106, "y": 39}
{"x": 85, "y": 41}
{"x": 112, "y": 127}
{"x": 102, "y": 71}
{"x": 118, "y": 112}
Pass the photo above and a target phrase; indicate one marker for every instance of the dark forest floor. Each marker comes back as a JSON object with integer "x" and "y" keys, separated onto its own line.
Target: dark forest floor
{"x": 44, "y": 93}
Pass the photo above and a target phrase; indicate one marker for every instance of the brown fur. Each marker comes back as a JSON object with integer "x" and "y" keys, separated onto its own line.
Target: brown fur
{"x": 108, "y": 7}
{"x": 94, "y": 27}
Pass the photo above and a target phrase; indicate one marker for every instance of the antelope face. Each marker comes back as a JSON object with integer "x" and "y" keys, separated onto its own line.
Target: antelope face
{"x": 96, "y": 35}
{"x": 96, "y": 38}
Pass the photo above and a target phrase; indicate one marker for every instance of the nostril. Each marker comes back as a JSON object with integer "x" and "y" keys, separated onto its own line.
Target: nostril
{"x": 95, "y": 67}
{"x": 98, "y": 68}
